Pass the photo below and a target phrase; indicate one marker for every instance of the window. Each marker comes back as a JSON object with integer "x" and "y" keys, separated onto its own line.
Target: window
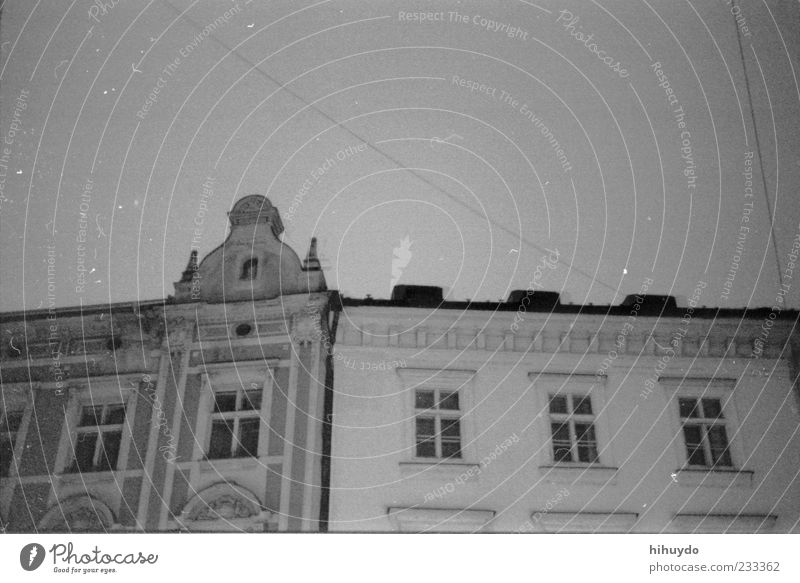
{"x": 10, "y": 422}
{"x": 235, "y": 422}
{"x": 437, "y": 424}
{"x": 704, "y": 432}
{"x": 250, "y": 269}
{"x": 99, "y": 434}
{"x": 572, "y": 429}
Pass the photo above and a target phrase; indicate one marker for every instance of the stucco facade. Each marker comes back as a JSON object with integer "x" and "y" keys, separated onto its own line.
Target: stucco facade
{"x": 199, "y": 413}
{"x": 507, "y": 363}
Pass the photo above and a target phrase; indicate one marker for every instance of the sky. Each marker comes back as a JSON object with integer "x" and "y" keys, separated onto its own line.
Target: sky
{"x": 456, "y": 142}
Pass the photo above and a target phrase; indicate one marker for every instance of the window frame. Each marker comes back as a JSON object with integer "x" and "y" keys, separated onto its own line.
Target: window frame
{"x": 99, "y": 429}
{"x": 570, "y": 418}
{"x": 564, "y": 384}
{"x": 438, "y": 414}
{"x": 699, "y": 388}
{"x": 450, "y": 380}
{"x": 251, "y": 264}
{"x": 705, "y": 423}
{"x": 98, "y": 391}
{"x": 222, "y": 381}
{"x": 17, "y": 397}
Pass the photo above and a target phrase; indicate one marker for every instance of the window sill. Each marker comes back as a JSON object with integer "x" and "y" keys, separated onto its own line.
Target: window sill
{"x": 91, "y": 477}
{"x": 579, "y": 473}
{"x": 229, "y": 463}
{"x": 435, "y": 468}
{"x": 715, "y": 478}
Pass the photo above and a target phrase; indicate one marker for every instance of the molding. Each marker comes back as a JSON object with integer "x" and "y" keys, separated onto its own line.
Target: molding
{"x": 723, "y": 523}
{"x": 579, "y": 474}
{"x": 404, "y": 519}
{"x": 715, "y": 478}
{"x": 584, "y": 522}
{"x": 436, "y": 470}
{"x": 433, "y": 377}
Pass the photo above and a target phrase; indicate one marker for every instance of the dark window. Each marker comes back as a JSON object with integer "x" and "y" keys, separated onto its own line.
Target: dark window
{"x": 235, "y": 424}
{"x": 250, "y": 269}
{"x": 10, "y": 422}
{"x": 704, "y": 432}
{"x": 572, "y": 429}
{"x": 99, "y": 436}
{"x": 438, "y": 424}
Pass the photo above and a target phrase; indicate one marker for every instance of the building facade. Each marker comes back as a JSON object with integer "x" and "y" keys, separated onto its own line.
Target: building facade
{"x": 257, "y": 400}
{"x": 201, "y": 412}
{"x": 520, "y": 417}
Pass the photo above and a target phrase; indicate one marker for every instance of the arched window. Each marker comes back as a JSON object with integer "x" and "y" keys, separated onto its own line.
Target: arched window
{"x": 249, "y": 269}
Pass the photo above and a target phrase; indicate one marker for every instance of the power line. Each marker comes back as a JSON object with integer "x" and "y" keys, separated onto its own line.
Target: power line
{"x": 758, "y": 148}
{"x": 386, "y": 155}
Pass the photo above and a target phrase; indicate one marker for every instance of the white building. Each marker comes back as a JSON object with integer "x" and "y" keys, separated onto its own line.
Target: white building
{"x": 513, "y": 418}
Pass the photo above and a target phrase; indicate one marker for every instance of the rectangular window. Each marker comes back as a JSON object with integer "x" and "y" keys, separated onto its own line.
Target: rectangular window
{"x": 98, "y": 440}
{"x": 235, "y": 423}
{"x": 572, "y": 429}
{"x": 704, "y": 432}
{"x": 437, "y": 424}
{"x": 10, "y": 422}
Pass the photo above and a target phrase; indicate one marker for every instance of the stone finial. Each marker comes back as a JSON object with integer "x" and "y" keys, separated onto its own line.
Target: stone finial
{"x": 312, "y": 260}
{"x": 254, "y": 209}
{"x": 191, "y": 267}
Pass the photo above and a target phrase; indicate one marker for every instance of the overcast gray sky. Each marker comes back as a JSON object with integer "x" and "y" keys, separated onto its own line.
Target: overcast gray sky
{"x": 485, "y": 132}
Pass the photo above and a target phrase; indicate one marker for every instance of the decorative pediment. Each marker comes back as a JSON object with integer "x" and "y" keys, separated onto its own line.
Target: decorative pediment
{"x": 78, "y": 514}
{"x": 222, "y": 507}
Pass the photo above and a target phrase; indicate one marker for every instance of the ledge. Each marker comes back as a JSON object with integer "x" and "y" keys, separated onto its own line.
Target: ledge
{"x": 715, "y": 478}
{"x": 231, "y": 463}
{"x": 92, "y": 477}
{"x": 439, "y": 469}
{"x": 438, "y": 519}
{"x": 723, "y": 523}
{"x": 579, "y": 474}
{"x": 584, "y": 522}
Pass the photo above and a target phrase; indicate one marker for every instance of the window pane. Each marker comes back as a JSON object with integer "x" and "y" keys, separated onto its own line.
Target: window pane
{"x": 451, "y": 449}
{"x": 587, "y": 442}
{"x": 449, "y": 401}
{"x": 718, "y": 440}
{"x": 426, "y": 448}
{"x": 561, "y": 442}
{"x": 695, "y": 454}
{"x": 585, "y": 432}
{"x": 581, "y": 405}
{"x": 251, "y": 401}
{"x": 84, "y": 452}
{"x": 558, "y": 404}
{"x": 587, "y": 453}
{"x": 426, "y": 443}
{"x": 221, "y": 439}
{"x": 424, "y": 400}
{"x": 91, "y": 416}
{"x": 425, "y": 427}
{"x": 712, "y": 409}
{"x": 224, "y": 402}
{"x": 110, "y": 451}
{"x": 248, "y": 438}
{"x": 6, "y": 456}
{"x": 115, "y": 415}
{"x": 451, "y": 428}
{"x": 11, "y": 421}
{"x": 688, "y": 408}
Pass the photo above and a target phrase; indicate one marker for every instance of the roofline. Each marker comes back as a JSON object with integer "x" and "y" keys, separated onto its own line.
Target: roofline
{"x": 599, "y": 310}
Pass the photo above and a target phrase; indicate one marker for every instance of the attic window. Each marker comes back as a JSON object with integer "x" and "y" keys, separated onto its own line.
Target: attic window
{"x": 249, "y": 269}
